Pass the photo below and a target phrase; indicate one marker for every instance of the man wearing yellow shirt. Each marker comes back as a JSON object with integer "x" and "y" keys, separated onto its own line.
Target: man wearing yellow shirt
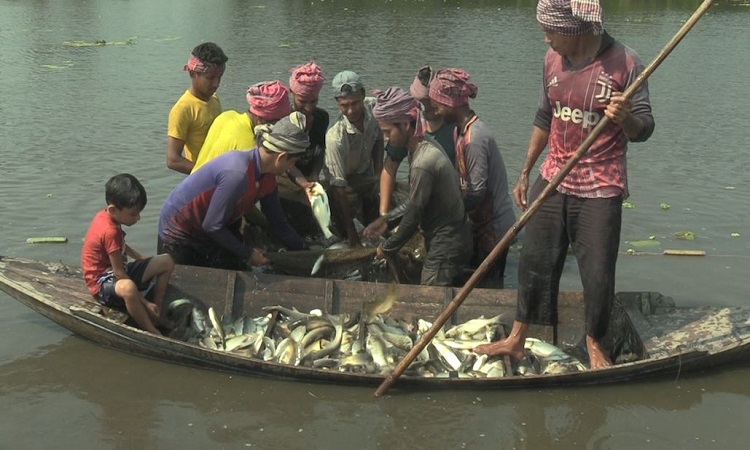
{"x": 193, "y": 114}
{"x": 232, "y": 130}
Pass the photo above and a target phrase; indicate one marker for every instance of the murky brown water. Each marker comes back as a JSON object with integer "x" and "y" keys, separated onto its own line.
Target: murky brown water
{"x": 70, "y": 117}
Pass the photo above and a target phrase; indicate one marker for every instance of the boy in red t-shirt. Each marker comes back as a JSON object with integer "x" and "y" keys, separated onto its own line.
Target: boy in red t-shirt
{"x": 110, "y": 278}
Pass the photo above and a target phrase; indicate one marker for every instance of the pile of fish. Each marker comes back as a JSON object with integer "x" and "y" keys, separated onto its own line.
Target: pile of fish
{"x": 367, "y": 342}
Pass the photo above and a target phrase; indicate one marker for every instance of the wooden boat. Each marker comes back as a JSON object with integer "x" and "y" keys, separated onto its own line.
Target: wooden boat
{"x": 662, "y": 338}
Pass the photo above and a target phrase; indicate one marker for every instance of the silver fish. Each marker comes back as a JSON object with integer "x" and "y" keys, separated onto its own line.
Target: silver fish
{"x": 217, "y": 326}
{"x": 239, "y": 342}
{"x": 562, "y": 367}
{"x": 198, "y": 318}
{"x": 321, "y": 209}
{"x": 472, "y": 327}
{"x": 446, "y": 354}
{"x": 545, "y": 351}
{"x": 380, "y": 305}
{"x": 331, "y": 347}
{"x": 286, "y": 351}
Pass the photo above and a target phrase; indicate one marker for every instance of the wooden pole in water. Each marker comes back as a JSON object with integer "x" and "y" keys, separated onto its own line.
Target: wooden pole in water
{"x": 513, "y": 231}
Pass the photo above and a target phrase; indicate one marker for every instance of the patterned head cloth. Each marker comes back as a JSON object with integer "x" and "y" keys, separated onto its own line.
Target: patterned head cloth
{"x": 286, "y": 135}
{"x": 570, "y": 17}
{"x": 194, "y": 64}
{"x": 269, "y": 100}
{"x": 420, "y": 87}
{"x": 451, "y": 87}
{"x": 394, "y": 105}
{"x": 306, "y": 79}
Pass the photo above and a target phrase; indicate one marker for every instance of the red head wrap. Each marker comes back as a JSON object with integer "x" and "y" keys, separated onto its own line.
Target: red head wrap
{"x": 451, "y": 87}
{"x": 394, "y": 105}
{"x": 269, "y": 100}
{"x": 306, "y": 79}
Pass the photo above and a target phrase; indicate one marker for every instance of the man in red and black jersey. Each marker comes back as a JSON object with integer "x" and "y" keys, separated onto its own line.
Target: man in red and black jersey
{"x": 585, "y": 73}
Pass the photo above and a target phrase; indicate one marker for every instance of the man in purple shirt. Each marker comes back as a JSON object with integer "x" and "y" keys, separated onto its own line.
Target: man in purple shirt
{"x": 196, "y": 225}
{"x": 585, "y": 72}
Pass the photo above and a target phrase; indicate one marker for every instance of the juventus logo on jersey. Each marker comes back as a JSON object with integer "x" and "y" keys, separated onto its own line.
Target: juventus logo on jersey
{"x": 605, "y": 87}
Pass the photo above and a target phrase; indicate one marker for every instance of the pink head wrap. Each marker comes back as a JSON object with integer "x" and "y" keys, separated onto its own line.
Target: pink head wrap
{"x": 451, "y": 87}
{"x": 394, "y": 105}
{"x": 196, "y": 65}
{"x": 269, "y": 100}
{"x": 306, "y": 79}
{"x": 570, "y": 17}
{"x": 420, "y": 87}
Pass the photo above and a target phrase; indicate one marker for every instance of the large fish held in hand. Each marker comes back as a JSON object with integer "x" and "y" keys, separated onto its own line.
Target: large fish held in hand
{"x": 320, "y": 208}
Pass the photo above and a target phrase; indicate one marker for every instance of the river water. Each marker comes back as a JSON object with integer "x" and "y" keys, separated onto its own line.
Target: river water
{"x": 72, "y": 116}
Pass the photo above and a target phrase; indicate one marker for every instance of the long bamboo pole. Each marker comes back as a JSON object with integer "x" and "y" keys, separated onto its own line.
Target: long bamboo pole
{"x": 513, "y": 231}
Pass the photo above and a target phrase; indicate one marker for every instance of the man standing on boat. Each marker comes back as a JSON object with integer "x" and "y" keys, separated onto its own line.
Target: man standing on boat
{"x": 484, "y": 182}
{"x": 197, "y": 221}
{"x": 435, "y": 202}
{"x": 354, "y": 155}
{"x": 267, "y": 102}
{"x": 585, "y": 71}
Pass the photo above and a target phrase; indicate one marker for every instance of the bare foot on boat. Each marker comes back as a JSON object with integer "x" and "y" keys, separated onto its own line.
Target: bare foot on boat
{"x": 503, "y": 347}
{"x": 597, "y": 356}
{"x": 511, "y": 346}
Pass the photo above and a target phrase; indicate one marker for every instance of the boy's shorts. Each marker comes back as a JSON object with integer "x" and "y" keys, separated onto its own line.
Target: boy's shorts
{"x": 106, "y": 282}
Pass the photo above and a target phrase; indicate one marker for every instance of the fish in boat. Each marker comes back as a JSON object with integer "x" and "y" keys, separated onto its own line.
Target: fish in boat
{"x": 656, "y": 336}
{"x": 321, "y": 209}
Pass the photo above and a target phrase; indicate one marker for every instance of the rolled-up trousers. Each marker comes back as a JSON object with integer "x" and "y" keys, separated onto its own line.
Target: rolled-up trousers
{"x": 591, "y": 226}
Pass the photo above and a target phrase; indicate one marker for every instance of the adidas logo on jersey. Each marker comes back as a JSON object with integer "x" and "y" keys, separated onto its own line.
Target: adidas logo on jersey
{"x": 564, "y": 113}
{"x": 552, "y": 82}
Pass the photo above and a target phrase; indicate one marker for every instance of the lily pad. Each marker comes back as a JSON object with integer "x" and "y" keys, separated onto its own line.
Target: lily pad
{"x": 645, "y": 243}
{"x": 628, "y": 205}
{"x": 684, "y": 235}
{"x": 664, "y": 206}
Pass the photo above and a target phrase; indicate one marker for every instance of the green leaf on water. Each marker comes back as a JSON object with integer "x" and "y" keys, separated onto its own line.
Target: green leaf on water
{"x": 628, "y": 205}
{"x": 664, "y": 206}
{"x": 735, "y": 234}
{"x": 684, "y": 235}
{"x": 645, "y": 243}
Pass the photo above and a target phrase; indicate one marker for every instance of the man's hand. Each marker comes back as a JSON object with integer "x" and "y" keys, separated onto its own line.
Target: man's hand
{"x": 376, "y": 228}
{"x": 258, "y": 258}
{"x": 379, "y": 252}
{"x": 151, "y": 308}
{"x": 618, "y": 109}
{"x": 520, "y": 191}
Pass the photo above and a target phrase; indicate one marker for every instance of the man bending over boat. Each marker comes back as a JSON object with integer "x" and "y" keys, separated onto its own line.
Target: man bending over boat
{"x": 198, "y": 222}
{"x": 585, "y": 71}
{"x": 194, "y": 112}
{"x": 434, "y": 126}
{"x": 112, "y": 280}
{"x": 435, "y": 202}
{"x": 354, "y": 155}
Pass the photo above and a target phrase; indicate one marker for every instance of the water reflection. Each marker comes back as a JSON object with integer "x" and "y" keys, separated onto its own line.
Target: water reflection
{"x": 131, "y": 401}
